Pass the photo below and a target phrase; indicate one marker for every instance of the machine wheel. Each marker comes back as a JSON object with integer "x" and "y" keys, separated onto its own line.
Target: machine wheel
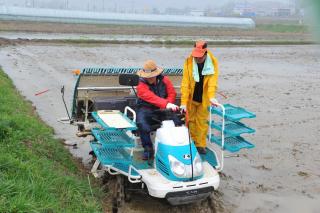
{"x": 211, "y": 205}
{"x": 127, "y": 193}
{"x": 106, "y": 178}
{"x": 118, "y": 194}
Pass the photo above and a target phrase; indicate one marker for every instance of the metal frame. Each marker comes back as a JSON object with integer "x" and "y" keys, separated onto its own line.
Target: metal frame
{"x": 220, "y": 168}
{"x": 110, "y": 88}
{"x": 86, "y": 99}
{"x": 112, "y": 71}
{"x": 94, "y": 169}
{"x": 133, "y": 180}
{"x": 126, "y": 109}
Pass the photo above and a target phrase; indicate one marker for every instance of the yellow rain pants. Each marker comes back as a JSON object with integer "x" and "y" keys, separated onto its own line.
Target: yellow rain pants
{"x": 198, "y": 125}
{"x": 198, "y": 112}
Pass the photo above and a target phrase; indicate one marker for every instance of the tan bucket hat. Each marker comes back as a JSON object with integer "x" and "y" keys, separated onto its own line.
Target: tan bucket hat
{"x": 149, "y": 70}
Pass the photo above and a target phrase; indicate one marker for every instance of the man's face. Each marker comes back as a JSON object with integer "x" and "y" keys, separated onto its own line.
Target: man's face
{"x": 151, "y": 80}
{"x": 200, "y": 60}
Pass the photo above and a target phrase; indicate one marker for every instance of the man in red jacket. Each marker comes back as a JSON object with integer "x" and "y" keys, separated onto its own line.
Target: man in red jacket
{"x": 154, "y": 91}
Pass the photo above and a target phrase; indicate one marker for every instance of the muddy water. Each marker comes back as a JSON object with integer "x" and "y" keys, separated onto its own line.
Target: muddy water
{"x": 279, "y": 83}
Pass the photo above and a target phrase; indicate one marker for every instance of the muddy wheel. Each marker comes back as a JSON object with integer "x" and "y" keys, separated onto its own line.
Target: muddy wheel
{"x": 127, "y": 197}
{"x": 211, "y": 205}
{"x": 118, "y": 194}
{"x": 106, "y": 179}
{"x": 127, "y": 193}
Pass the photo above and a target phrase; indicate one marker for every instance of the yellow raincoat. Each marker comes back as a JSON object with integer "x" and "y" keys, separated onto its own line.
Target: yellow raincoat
{"x": 198, "y": 112}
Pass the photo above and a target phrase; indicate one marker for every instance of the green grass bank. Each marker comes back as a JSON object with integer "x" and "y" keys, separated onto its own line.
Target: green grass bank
{"x": 37, "y": 174}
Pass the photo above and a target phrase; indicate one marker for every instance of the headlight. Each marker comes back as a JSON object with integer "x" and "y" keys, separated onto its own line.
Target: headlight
{"x": 197, "y": 166}
{"x": 178, "y": 168}
{"x": 181, "y": 170}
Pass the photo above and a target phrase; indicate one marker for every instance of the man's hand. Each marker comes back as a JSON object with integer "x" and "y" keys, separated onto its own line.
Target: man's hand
{"x": 173, "y": 107}
{"x": 214, "y": 101}
{"x": 183, "y": 108}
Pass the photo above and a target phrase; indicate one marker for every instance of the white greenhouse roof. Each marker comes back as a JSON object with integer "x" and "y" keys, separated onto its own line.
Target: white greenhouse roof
{"x": 40, "y": 14}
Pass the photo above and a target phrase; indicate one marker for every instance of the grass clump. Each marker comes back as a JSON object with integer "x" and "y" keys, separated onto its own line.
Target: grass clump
{"x": 37, "y": 174}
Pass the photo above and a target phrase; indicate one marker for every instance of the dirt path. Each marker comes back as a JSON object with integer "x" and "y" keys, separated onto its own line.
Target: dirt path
{"x": 279, "y": 83}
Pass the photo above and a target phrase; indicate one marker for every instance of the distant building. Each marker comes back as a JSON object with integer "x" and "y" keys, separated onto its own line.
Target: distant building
{"x": 267, "y": 8}
{"x": 245, "y": 9}
{"x": 197, "y": 13}
{"x": 285, "y": 12}
{"x": 174, "y": 11}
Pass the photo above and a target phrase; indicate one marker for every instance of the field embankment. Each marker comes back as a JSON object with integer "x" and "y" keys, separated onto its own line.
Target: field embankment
{"x": 37, "y": 174}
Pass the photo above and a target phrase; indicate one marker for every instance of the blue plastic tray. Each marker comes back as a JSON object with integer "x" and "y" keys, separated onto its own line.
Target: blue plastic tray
{"x": 110, "y": 155}
{"x": 233, "y": 144}
{"x": 113, "y": 137}
{"x": 233, "y": 128}
{"x": 232, "y": 112}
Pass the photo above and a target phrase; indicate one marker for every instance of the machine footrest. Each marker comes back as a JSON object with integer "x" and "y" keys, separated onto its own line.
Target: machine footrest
{"x": 232, "y": 112}
{"x": 113, "y": 138}
{"x": 232, "y": 129}
{"x": 110, "y": 155}
{"x": 232, "y": 144}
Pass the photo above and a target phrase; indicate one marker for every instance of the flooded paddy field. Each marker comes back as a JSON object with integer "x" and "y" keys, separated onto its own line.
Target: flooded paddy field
{"x": 109, "y": 32}
{"x": 279, "y": 83}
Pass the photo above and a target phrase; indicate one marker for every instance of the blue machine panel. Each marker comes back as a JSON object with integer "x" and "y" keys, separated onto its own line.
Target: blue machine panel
{"x": 210, "y": 157}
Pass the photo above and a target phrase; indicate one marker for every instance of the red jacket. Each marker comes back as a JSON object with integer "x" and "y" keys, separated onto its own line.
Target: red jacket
{"x": 158, "y": 94}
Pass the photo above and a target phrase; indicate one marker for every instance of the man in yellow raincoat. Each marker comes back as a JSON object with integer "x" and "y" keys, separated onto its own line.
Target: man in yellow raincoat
{"x": 198, "y": 88}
